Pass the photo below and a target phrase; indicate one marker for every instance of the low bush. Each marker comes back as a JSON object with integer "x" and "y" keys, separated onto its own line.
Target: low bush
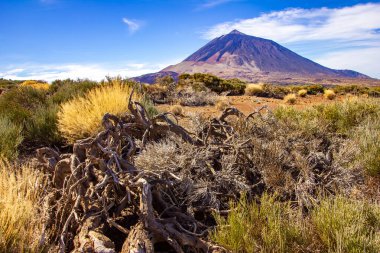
{"x": 21, "y": 226}
{"x": 189, "y": 97}
{"x": 345, "y": 225}
{"x": 367, "y": 137}
{"x": 81, "y": 117}
{"x": 41, "y": 128}
{"x": 266, "y": 227}
{"x": 253, "y": 89}
{"x": 10, "y": 138}
{"x": 200, "y": 81}
{"x": 64, "y": 90}
{"x": 337, "y": 224}
{"x": 222, "y": 104}
{"x": 176, "y": 110}
{"x": 19, "y": 104}
{"x": 329, "y": 94}
{"x": 290, "y": 98}
{"x": 315, "y": 89}
{"x": 149, "y": 106}
{"x": 341, "y": 117}
{"x": 302, "y": 93}
{"x": 35, "y": 84}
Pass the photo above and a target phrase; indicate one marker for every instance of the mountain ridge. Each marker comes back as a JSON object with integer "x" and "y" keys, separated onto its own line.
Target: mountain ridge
{"x": 250, "y": 58}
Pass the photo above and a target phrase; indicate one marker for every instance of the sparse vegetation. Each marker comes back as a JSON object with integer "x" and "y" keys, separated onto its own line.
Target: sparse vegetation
{"x": 10, "y": 138}
{"x": 21, "y": 223}
{"x": 222, "y": 104}
{"x": 177, "y": 110}
{"x": 279, "y": 180}
{"x": 367, "y": 137}
{"x": 189, "y": 97}
{"x": 302, "y": 93}
{"x": 337, "y": 224}
{"x": 329, "y": 94}
{"x": 199, "y": 82}
{"x": 290, "y": 99}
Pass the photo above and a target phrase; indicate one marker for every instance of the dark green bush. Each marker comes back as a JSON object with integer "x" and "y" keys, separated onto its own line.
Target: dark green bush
{"x": 63, "y": 90}
{"x": 314, "y": 89}
{"x": 200, "y": 81}
{"x": 30, "y": 109}
{"x": 19, "y": 104}
{"x": 42, "y": 128}
{"x": 10, "y": 138}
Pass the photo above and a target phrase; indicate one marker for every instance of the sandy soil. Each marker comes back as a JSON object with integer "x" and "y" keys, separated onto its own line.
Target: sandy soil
{"x": 247, "y": 104}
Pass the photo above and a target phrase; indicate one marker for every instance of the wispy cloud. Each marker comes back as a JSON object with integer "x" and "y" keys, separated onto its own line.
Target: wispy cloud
{"x": 339, "y": 29}
{"x": 133, "y": 25}
{"x": 50, "y": 72}
{"x": 212, "y": 3}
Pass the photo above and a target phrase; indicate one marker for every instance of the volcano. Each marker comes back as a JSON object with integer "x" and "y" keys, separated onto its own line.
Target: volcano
{"x": 250, "y": 58}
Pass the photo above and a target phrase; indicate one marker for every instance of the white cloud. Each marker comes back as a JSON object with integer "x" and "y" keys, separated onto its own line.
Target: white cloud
{"x": 213, "y": 3}
{"x": 364, "y": 60}
{"x": 51, "y": 72}
{"x": 347, "y": 37}
{"x": 133, "y": 25}
{"x": 353, "y": 23}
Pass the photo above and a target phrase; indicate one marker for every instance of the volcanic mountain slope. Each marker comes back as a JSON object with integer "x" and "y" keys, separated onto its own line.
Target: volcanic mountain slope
{"x": 237, "y": 55}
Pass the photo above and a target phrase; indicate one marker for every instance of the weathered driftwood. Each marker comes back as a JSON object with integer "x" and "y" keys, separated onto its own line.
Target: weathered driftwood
{"x": 101, "y": 202}
{"x": 97, "y": 189}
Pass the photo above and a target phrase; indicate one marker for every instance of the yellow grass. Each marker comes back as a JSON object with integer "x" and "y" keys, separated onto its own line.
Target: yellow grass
{"x": 35, "y": 84}
{"x": 176, "y": 110}
{"x": 81, "y": 117}
{"x": 253, "y": 89}
{"x": 20, "y": 195}
{"x": 329, "y": 94}
{"x": 302, "y": 93}
{"x": 222, "y": 104}
{"x": 290, "y": 98}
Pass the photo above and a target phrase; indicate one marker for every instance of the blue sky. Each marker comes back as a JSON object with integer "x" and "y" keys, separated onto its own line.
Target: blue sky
{"x": 50, "y": 39}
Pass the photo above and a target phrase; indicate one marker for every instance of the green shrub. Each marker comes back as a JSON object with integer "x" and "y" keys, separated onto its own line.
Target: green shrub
{"x": 337, "y": 224}
{"x": 352, "y": 89}
{"x": 338, "y": 117}
{"x": 30, "y": 109}
{"x": 10, "y": 138}
{"x": 149, "y": 106}
{"x": 373, "y": 92}
{"x": 42, "y": 128}
{"x": 368, "y": 139}
{"x": 19, "y": 104}
{"x": 200, "y": 81}
{"x": 275, "y": 91}
{"x": 64, "y": 90}
{"x": 344, "y": 225}
{"x": 266, "y": 227}
{"x": 314, "y": 89}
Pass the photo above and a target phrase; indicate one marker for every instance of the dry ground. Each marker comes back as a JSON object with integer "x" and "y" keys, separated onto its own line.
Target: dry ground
{"x": 247, "y": 104}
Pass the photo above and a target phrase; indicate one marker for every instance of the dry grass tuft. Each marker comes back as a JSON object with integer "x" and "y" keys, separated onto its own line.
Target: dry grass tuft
{"x": 177, "y": 110}
{"x": 302, "y": 93}
{"x": 253, "y": 89}
{"x": 290, "y": 98}
{"x": 21, "y": 190}
{"x": 222, "y": 104}
{"x": 329, "y": 94}
{"x": 81, "y": 117}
